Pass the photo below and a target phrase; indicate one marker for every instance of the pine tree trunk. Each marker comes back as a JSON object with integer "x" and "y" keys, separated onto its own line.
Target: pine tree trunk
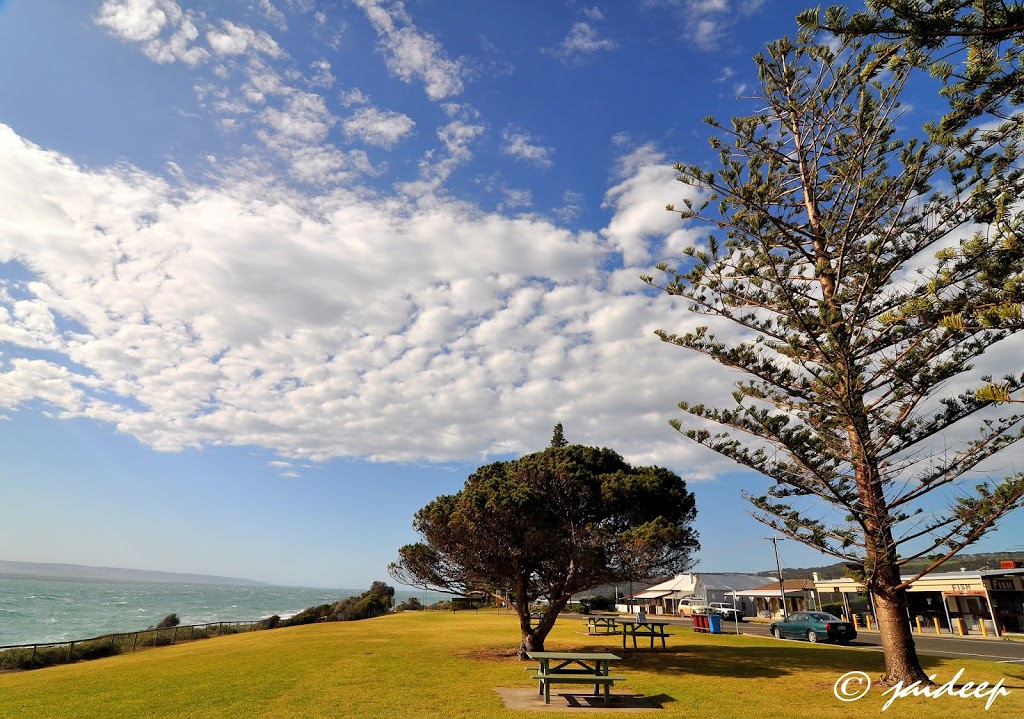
{"x": 901, "y": 662}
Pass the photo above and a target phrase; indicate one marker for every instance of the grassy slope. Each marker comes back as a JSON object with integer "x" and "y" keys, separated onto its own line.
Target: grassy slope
{"x": 440, "y": 665}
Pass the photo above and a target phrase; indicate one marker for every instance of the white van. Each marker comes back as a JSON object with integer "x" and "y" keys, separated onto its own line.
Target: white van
{"x": 694, "y": 605}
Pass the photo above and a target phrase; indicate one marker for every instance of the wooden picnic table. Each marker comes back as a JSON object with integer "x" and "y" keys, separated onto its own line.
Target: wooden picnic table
{"x": 646, "y": 628}
{"x": 602, "y": 625}
{"x": 575, "y": 668}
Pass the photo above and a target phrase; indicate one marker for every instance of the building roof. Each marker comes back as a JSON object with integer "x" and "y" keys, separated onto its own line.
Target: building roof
{"x": 678, "y": 583}
{"x": 768, "y": 593}
{"x": 731, "y": 582}
{"x": 789, "y": 584}
{"x": 650, "y": 594}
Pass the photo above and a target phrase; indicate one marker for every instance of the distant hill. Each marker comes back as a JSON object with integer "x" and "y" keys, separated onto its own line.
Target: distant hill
{"x": 114, "y": 574}
{"x": 970, "y": 562}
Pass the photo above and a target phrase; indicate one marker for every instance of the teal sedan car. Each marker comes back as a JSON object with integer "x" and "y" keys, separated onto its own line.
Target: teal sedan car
{"x": 814, "y": 627}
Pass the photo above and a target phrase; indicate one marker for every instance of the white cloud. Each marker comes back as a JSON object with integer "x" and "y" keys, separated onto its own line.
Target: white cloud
{"x": 355, "y": 96}
{"x": 572, "y": 207}
{"x": 272, "y": 14}
{"x": 457, "y": 138}
{"x": 304, "y": 119}
{"x": 726, "y": 73}
{"x": 138, "y": 20}
{"x": 581, "y": 42}
{"x": 145, "y": 22}
{"x": 314, "y": 326}
{"x": 322, "y": 76}
{"x": 377, "y": 127}
{"x": 646, "y": 186}
{"x": 410, "y": 54}
{"x": 707, "y": 22}
{"x": 520, "y": 145}
{"x": 234, "y": 39}
{"x": 515, "y": 198}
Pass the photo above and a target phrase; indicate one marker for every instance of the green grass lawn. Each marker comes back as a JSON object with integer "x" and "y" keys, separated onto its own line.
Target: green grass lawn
{"x": 443, "y": 665}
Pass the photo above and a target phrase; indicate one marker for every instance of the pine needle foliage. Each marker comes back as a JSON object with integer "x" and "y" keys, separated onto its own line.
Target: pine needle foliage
{"x": 974, "y": 47}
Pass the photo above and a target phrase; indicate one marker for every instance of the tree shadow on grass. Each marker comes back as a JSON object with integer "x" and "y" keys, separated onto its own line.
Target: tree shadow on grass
{"x": 748, "y": 661}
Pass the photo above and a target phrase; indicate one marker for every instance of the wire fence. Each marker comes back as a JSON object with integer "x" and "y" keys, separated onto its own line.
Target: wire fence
{"x": 44, "y": 654}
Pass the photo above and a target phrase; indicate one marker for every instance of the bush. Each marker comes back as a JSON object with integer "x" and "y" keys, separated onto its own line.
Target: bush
{"x": 171, "y": 620}
{"x": 364, "y": 607}
{"x": 412, "y": 604}
{"x": 49, "y": 656}
{"x": 372, "y": 603}
{"x": 601, "y": 603}
{"x": 308, "y": 616}
{"x": 272, "y": 621}
{"x": 96, "y": 650}
{"x": 833, "y": 608}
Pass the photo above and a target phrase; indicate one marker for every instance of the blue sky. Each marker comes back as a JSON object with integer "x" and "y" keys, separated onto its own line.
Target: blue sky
{"x": 275, "y": 273}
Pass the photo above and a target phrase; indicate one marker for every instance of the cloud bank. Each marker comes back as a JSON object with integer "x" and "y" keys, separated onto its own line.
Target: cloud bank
{"x": 343, "y": 324}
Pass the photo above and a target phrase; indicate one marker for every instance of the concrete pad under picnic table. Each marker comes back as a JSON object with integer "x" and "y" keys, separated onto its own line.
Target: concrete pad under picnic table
{"x": 527, "y": 699}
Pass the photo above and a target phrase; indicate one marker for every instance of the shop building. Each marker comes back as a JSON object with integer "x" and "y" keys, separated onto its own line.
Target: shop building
{"x": 951, "y": 600}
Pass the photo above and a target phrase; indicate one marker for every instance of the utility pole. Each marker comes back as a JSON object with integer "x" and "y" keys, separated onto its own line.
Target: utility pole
{"x": 782, "y": 582}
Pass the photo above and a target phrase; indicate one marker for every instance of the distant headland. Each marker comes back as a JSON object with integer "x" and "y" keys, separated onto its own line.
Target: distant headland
{"x": 115, "y": 574}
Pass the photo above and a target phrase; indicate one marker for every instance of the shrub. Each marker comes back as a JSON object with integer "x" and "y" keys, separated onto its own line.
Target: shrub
{"x": 272, "y": 621}
{"x": 601, "y": 603}
{"x": 171, "y": 620}
{"x": 96, "y": 649}
{"x": 412, "y": 604}
{"x": 308, "y": 616}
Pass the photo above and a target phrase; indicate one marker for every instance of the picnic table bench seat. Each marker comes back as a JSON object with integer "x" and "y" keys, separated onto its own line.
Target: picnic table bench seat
{"x": 563, "y": 677}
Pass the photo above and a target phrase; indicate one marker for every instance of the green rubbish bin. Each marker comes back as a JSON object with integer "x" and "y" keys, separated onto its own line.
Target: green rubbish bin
{"x": 715, "y": 623}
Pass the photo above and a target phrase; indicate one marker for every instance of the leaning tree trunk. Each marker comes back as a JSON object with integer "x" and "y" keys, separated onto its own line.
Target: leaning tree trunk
{"x": 532, "y": 641}
{"x": 534, "y": 636}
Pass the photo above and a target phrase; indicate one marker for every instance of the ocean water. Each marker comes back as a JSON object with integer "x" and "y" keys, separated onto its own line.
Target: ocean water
{"x": 55, "y": 610}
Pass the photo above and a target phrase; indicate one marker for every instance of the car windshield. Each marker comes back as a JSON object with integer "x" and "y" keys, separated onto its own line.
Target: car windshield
{"x": 824, "y": 617}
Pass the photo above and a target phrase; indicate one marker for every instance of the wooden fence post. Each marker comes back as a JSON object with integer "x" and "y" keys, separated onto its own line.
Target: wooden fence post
{"x": 71, "y": 648}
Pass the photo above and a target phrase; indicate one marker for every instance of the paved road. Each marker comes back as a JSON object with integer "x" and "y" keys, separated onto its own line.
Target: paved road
{"x": 986, "y": 649}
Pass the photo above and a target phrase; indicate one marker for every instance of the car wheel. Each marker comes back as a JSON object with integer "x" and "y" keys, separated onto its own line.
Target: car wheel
{"x": 777, "y": 633}
{"x": 812, "y": 636}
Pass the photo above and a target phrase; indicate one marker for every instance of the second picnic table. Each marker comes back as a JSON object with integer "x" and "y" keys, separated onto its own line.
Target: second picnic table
{"x": 602, "y": 625}
{"x": 575, "y": 668}
{"x": 646, "y": 628}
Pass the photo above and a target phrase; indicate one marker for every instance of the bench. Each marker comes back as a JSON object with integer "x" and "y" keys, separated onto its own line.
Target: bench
{"x": 574, "y": 677}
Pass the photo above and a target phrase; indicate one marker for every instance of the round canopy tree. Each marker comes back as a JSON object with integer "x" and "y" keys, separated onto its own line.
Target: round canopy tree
{"x": 549, "y": 525}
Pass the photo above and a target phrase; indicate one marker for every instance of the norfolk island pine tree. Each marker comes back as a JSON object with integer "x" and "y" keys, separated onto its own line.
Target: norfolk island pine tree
{"x": 824, "y": 211}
